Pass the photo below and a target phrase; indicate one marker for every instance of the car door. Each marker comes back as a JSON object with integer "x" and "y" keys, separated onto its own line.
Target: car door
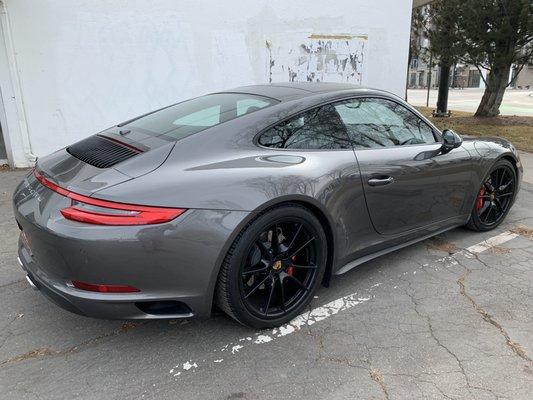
{"x": 408, "y": 181}
{"x": 329, "y": 173}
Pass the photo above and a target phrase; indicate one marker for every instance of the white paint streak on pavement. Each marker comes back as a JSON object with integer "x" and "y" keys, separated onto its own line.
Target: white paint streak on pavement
{"x": 235, "y": 349}
{"x": 493, "y": 241}
{"x": 307, "y": 318}
{"x": 334, "y": 307}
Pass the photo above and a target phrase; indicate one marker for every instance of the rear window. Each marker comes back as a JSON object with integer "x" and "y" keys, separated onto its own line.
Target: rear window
{"x": 195, "y": 115}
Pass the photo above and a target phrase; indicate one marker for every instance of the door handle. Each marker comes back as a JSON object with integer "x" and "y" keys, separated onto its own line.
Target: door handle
{"x": 380, "y": 181}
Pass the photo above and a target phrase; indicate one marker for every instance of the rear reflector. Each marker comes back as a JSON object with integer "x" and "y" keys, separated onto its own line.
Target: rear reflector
{"x": 91, "y": 287}
{"x": 102, "y": 212}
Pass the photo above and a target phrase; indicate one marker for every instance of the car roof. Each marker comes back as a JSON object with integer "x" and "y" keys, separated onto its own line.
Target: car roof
{"x": 285, "y": 91}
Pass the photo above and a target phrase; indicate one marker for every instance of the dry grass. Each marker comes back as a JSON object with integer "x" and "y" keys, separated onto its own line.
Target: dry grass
{"x": 500, "y": 250}
{"x": 441, "y": 244}
{"x": 377, "y": 376}
{"x": 523, "y": 231}
{"x": 519, "y": 130}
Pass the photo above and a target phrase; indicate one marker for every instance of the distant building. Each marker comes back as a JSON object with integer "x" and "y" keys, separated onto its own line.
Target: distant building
{"x": 461, "y": 76}
{"x": 419, "y": 75}
{"x": 525, "y": 78}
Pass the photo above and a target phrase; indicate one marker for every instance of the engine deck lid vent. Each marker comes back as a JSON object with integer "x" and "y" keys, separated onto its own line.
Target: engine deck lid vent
{"x": 102, "y": 151}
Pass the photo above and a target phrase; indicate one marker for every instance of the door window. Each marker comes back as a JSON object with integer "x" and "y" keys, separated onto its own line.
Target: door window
{"x": 376, "y": 123}
{"x": 319, "y": 128}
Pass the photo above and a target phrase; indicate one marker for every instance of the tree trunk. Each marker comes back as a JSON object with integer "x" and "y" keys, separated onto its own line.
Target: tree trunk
{"x": 492, "y": 98}
{"x": 444, "y": 88}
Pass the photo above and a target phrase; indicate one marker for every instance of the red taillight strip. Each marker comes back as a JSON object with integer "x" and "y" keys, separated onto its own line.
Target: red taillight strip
{"x": 145, "y": 214}
{"x": 91, "y": 287}
{"x": 50, "y": 185}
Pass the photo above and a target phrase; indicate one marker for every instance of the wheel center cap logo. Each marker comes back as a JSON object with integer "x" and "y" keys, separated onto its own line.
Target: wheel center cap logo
{"x": 277, "y": 265}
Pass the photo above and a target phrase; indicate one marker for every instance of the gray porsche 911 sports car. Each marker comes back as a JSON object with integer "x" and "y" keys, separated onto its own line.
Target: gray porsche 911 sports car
{"x": 249, "y": 199}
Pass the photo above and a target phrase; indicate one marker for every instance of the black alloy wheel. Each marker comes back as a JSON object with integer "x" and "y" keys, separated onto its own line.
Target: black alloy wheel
{"x": 494, "y": 198}
{"x": 280, "y": 268}
{"x": 274, "y": 268}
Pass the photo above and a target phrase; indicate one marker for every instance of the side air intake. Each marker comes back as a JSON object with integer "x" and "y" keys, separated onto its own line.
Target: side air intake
{"x": 101, "y": 151}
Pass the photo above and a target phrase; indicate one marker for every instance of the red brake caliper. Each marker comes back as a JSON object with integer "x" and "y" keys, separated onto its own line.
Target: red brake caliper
{"x": 480, "y": 199}
{"x": 290, "y": 270}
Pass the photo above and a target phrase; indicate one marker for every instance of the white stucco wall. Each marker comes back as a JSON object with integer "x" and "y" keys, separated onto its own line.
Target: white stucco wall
{"x": 85, "y": 65}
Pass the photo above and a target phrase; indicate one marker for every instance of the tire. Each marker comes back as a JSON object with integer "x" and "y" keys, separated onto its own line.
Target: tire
{"x": 489, "y": 203}
{"x": 258, "y": 256}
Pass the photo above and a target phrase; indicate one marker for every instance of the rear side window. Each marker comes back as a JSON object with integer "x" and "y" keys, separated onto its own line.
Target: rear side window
{"x": 320, "y": 128}
{"x": 203, "y": 118}
{"x": 246, "y": 106}
{"x": 375, "y": 123}
{"x": 195, "y": 115}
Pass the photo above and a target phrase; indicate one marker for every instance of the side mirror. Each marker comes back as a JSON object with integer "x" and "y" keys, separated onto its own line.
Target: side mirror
{"x": 450, "y": 140}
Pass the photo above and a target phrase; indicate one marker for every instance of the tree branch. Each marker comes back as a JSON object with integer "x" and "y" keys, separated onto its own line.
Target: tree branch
{"x": 481, "y": 74}
{"x": 517, "y": 72}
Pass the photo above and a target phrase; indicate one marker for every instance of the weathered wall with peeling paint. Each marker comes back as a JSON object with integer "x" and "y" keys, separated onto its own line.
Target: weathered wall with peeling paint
{"x": 85, "y": 65}
{"x": 302, "y": 57}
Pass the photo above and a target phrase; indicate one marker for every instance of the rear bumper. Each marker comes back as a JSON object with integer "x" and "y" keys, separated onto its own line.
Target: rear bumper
{"x": 106, "y": 306}
{"x": 173, "y": 264}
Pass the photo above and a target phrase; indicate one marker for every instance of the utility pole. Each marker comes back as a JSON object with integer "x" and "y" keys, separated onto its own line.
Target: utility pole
{"x": 407, "y": 79}
{"x": 429, "y": 77}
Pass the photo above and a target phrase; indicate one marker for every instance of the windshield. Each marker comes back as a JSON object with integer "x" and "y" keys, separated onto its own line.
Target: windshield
{"x": 192, "y": 116}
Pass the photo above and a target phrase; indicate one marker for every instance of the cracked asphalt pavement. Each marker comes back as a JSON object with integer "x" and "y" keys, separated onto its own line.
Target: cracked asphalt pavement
{"x": 430, "y": 321}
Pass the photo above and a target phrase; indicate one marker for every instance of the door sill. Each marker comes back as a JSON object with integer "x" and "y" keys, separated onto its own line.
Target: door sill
{"x": 380, "y": 253}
